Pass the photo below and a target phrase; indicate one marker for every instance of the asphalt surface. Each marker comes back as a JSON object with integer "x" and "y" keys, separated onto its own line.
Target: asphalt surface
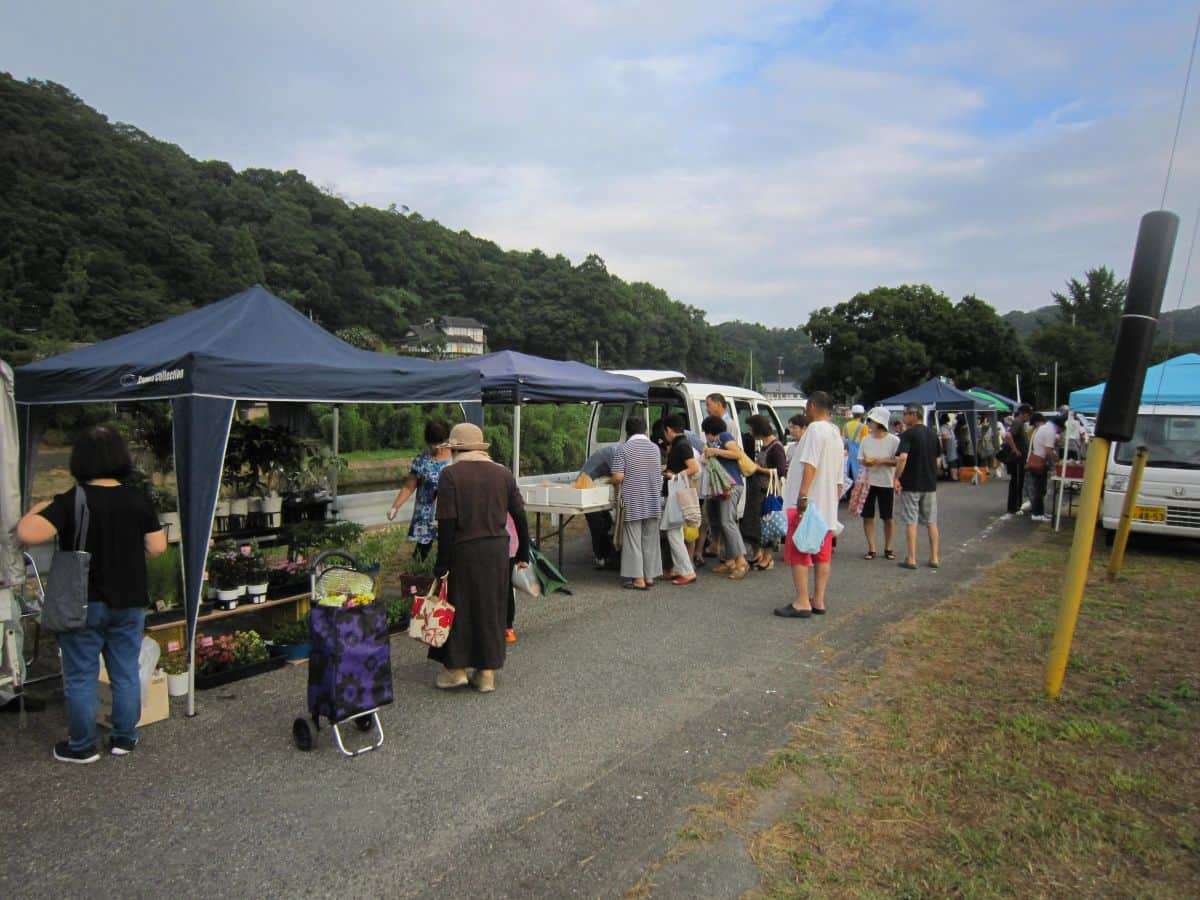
{"x": 568, "y": 781}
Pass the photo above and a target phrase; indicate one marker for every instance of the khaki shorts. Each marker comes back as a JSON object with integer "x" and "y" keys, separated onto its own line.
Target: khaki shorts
{"x": 918, "y": 508}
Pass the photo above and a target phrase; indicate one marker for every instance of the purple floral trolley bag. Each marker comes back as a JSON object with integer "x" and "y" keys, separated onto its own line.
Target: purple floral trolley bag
{"x": 350, "y": 664}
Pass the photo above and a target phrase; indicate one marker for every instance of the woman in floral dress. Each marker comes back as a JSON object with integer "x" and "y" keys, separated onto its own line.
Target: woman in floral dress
{"x": 423, "y": 481}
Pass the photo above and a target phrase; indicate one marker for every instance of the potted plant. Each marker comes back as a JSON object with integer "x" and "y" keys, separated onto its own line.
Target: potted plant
{"x": 175, "y": 665}
{"x": 226, "y": 574}
{"x": 398, "y": 611}
{"x": 417, "y": 575}
{"x": 231, "y": 657}
{"x": 257, "y": 576}
{"x": 166, "y": 505}
{"x": 291, "y": 640}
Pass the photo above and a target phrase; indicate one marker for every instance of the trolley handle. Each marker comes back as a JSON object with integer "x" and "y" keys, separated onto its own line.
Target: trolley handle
{"x": 319, "y": 563}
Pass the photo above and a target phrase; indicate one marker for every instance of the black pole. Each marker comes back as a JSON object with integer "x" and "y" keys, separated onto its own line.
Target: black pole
{"x": 1135, "y": 337}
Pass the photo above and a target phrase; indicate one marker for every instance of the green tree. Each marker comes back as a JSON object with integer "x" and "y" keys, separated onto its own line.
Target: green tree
{"x": 1094, "y": 303}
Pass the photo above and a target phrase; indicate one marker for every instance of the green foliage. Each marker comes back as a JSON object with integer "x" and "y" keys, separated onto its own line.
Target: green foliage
{"x": 1080, "y": 339}
{"x": 889, "y": 339}
{"x": 163, "y": 577}
{"x": 104, "y": 229}
{"x": 291, "y": 632}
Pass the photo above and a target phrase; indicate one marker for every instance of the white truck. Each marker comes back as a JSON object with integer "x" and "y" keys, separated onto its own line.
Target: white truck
{"x": 1169, "y": 500}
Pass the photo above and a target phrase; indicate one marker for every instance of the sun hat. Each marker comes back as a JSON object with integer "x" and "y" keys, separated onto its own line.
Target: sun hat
{"x": 857, "y": 409}
{"x": 465, "y": 436}
{"x": 880, "y": 415}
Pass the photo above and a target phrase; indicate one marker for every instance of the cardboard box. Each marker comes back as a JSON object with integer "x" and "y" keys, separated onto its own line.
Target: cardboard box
{"x": 156, "y": 705}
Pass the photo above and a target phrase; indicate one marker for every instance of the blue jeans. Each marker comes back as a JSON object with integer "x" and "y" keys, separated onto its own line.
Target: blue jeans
{"x": 117, "y": 634}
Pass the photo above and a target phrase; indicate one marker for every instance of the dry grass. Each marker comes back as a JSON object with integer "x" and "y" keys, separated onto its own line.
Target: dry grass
{"x": 947, "y": 773}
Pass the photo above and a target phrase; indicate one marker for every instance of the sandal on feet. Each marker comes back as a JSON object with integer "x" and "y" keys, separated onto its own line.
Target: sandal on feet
{"x": 790, "y": 612}
{"x": 912, "y": 567}
{"x": 889, "y": 554}
{"x": 630, "y": 586}
{"x": 870, "y": 554}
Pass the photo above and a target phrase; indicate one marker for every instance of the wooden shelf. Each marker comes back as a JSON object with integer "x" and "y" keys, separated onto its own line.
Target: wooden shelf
{"x": 226, "y": 613}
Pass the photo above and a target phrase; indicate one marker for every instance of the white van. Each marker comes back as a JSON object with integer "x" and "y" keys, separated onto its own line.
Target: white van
{"x": 671, "y": 393}
{"x": 1169, "y": 500}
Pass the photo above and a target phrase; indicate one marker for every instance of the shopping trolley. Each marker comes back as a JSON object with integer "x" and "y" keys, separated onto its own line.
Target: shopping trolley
{"x": 350, "y": 663}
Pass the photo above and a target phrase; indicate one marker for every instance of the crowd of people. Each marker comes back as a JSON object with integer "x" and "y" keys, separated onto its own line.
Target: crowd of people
{"x": 470, "y": 508}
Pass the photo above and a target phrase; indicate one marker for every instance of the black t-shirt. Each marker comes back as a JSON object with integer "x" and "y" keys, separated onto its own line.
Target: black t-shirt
{"x": 678, "y": 455}
{"x": 119, "y": 518}
{"x": 923, "y": 449}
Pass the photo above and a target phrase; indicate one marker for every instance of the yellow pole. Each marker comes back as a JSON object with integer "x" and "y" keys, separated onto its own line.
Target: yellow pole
{"x": 1117, "y": 560}
{"x": 1077, "y": 565}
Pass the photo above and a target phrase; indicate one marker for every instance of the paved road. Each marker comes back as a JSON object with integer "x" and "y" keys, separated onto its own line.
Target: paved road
{"x": 567, "y": 781}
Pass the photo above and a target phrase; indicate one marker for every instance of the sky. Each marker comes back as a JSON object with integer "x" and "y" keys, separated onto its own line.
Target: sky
{"x": 757, "y": 159}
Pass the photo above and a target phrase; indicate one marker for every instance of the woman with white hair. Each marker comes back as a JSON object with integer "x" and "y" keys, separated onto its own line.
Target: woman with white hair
{"x": 475, "y": 498}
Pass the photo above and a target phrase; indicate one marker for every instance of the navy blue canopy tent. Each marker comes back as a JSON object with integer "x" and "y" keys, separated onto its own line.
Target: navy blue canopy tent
{"x": 939, "y": 395}
{"x": 251, "y": 346}
{"x": 515, "y": 379}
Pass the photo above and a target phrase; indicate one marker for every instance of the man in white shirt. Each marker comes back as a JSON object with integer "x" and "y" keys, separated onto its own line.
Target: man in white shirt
{"x": 1044, "y": 447}
{"x": 818, "y": 466}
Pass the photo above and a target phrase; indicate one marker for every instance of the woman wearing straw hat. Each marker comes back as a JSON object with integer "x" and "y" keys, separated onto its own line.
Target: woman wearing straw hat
{"x": 475, "y": 497}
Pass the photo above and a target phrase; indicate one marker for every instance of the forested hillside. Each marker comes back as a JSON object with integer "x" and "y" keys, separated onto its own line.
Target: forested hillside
{"x": 104, "y": 229}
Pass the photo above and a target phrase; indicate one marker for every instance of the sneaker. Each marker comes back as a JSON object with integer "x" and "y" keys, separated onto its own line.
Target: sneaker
{"x": 1039, "y": 518}
{"x": 64, "y": 753}
{"x": 1026, "y": 506}
{"x": 510, "y": 636}
{"x": 119, "y": 746}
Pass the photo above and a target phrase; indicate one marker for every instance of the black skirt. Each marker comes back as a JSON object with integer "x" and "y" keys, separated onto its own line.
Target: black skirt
{"x": 479, "y": 593}
{"x": 751, "y": 524}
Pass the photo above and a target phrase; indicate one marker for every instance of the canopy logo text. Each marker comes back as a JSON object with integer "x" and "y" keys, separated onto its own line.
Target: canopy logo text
{"x": 132, "y": 380}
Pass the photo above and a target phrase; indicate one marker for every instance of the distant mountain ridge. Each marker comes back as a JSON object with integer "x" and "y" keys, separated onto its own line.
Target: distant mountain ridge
{"x": 1185, "y": 322}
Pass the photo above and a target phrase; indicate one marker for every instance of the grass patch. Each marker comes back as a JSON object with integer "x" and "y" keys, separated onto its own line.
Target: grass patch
{"x": 950, "y": 774}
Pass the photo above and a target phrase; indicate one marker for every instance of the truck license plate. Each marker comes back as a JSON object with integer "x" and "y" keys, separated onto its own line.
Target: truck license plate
{"x": 1150, "y": 513}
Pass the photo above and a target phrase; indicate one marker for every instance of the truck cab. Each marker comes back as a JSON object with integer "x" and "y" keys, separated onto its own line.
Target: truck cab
{"x": 1168, "y": 502}
{"x": 671, "y": 393}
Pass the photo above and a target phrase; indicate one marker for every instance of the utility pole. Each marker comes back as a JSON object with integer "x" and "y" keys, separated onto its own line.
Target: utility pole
{"x": 779, "y": 372}
{"x": 1055, "y": 404}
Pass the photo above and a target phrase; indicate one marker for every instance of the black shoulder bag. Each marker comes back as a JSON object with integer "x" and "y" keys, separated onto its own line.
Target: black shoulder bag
{"x": 65, "y": 605}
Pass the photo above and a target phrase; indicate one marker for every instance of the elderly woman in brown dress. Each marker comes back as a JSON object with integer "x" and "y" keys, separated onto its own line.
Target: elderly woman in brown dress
{"x": 475, "y": 495}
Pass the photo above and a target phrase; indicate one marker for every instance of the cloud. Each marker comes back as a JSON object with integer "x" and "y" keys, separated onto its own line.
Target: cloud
{"x": 757, "y": 159}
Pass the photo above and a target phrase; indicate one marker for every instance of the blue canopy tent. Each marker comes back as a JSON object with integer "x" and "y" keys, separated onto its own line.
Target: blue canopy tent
{"x": 515, "y": 379}
{"x": 1175, "y": 382}
{"x": 251, "y": 346}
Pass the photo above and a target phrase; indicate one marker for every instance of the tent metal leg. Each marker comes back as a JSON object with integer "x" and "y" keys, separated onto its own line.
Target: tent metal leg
{"x": 517, "y": 441}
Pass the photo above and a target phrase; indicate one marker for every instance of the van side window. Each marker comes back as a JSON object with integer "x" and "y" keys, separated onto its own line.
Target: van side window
{"x": 610, "y": 421}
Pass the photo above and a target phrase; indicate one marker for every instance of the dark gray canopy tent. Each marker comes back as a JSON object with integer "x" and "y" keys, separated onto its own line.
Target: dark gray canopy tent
{"x": 939, "y": 395}
{"x": 252, "y": 346}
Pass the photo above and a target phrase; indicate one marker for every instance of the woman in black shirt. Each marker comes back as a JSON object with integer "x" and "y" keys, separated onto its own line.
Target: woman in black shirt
{"x": 122, "y": 531}
{"x": 681, "y": 463}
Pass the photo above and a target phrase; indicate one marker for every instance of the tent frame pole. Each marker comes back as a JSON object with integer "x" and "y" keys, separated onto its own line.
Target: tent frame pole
{"x": 516, "y": 465}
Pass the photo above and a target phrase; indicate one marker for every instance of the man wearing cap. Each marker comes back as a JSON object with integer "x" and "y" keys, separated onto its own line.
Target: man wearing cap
{"x": 855, "y": 430}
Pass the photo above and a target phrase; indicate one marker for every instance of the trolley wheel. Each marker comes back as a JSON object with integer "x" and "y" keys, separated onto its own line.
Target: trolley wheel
{"x": 365, "y": 723}
{"x": 302, "y": 734}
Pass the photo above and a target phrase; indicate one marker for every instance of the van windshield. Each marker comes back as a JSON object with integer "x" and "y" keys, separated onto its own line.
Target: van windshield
{"x": 1173, "y": 442}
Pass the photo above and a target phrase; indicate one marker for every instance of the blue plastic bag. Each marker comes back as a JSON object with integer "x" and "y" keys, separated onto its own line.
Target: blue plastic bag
{"x": 810, "y": 533}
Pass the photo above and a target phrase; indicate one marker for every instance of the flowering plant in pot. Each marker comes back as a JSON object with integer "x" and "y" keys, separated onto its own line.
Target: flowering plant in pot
{"x": 174, "y": 664}
{"x": 226, "y": 573}
{"x": 249, "y": 648}
{"x": 257, "y": 577}
{"x": 417, "y": 574}
{"x": 216, "y": 655}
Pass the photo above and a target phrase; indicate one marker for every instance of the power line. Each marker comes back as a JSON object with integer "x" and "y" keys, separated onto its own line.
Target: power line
{"x": 1179, "y": 119}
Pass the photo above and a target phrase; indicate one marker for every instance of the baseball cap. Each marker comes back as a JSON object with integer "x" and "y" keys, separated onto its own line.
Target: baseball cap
{"x": 857, "y": 409}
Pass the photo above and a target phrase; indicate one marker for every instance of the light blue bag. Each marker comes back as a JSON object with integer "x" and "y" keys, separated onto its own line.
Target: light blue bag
{"x": 809, "y": 536}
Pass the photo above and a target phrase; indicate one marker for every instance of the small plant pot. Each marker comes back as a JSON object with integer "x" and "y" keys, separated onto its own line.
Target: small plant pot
{"x": 177, "y": 685}
{"x": 294, "y": 652}
{"x": 228, "y": 598}
{"x": 257, "y": 592}
{"x": 222, "y": 510}
{"x": 211, "y": 592}
{"x": 170, "y": 523}
{"x": 272, "y": 504}
{"x": 254, "y": 504}
{"x": 239, "y": 507}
